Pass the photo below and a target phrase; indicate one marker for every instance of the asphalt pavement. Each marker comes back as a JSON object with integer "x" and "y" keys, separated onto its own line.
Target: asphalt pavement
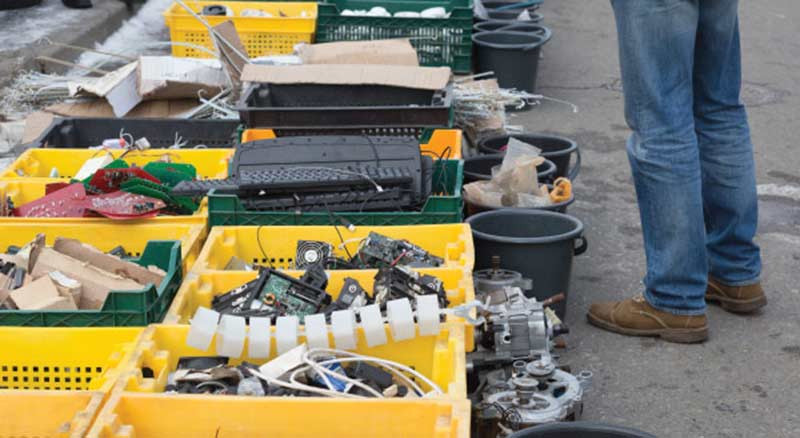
{"x": 743, "y": 382}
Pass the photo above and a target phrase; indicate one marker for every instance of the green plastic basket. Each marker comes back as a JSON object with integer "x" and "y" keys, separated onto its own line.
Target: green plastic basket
{"x": 439, "y": 41}
{"x": 122, "y": 308}
{"x": 443, "y": 208}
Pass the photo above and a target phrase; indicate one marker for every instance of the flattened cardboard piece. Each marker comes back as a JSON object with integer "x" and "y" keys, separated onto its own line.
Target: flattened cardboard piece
{"x": 5, "y": 285}
{"x": 41, "y": 294}
{"x": 147, "y": 109}
{"x": 67, "y": 287}
{"x": 423, "y": 78}
{"x": 115, "y": 265}
{"x": 381, "y": 52}
{"x": 232, "y": 61}
{"x": 35, "y": 125}
{"x": 101, "y": 86}
{"x": 96, "y": 283}
{"x": 165, "y": 77}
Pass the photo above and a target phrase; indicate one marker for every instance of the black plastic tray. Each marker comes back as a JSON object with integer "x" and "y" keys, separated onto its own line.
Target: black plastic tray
{"x": 86, "y": 132}
{"x": 306, "y": 105}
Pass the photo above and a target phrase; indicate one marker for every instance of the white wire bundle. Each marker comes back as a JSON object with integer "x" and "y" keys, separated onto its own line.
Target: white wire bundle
{"x": 316, "y": 360}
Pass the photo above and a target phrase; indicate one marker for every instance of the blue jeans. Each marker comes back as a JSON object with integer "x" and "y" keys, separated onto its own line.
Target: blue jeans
{"x": 690, "y": 151}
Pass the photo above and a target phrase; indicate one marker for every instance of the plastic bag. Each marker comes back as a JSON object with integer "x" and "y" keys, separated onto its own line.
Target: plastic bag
{"x": 516, "y": 151}
{"x": 483, "y": 193}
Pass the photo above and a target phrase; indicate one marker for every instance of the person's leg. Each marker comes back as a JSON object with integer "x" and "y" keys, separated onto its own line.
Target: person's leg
{"x": 726, "y": 154}
{"x": 657, "y": 43}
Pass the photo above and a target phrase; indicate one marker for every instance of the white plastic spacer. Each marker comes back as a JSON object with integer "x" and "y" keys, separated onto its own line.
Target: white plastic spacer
{"x": 343, "y": 325}
{"x": 287, "y": 329}
{"x": 316, "y": 331}
{"x": 202, "y": 329}
{"x": 372, "y": 323}
{"x": 428, "y": 314}
{"x": 230, "y": 336}
{"x": 258, "y": 346}
{"x": 401, "y": 319}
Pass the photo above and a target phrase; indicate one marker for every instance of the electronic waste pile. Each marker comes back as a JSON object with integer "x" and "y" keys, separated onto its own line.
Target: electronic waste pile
{"x": 305, "y": 272}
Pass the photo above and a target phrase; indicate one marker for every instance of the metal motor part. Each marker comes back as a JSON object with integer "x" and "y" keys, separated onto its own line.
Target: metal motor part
{"x": 528, "y": 399}
{"x": 496, "y": 278}
{"x": 516, "y": 328}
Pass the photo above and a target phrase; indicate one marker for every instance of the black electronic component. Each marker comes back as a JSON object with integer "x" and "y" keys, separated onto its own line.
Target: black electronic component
{"x": 315, "y": 276}
{"x": 351, "y": 295}
{"x": 370, "y": 374}
{"x": 214, "y": 10}
{"x": 400, "y": 282}
{"x": 118, "y": 251}
{"x": 325, "y": 173}
{"x": 6, "y": 267}
{"x": 380, "y": 251}
{"x": 311, "y": 252}
{"x": 275, "y": 294}
{"x": 201, "y": 362}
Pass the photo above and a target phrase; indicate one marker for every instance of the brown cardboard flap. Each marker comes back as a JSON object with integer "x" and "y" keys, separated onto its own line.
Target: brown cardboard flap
{"x": 166, "y": 77}
{"x": 424, "y": 78}
{"x": 96, "y": 282}
{"x": 40, "y": 295}
{"x": 382, "y": 52}
{"x": 95, "y": 257}
{"x": 101, "y": 108}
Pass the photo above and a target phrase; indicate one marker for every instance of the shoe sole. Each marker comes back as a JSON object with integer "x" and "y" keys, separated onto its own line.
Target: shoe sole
{"x": 737, "y": 306}
{"x": 680, "y": 336}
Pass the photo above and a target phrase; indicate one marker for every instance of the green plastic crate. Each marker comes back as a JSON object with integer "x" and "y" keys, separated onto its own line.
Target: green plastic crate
{"x": 122, "y": 308}
{"x": 439, "y": 41}
{"x": 444, "y": 208}
{"x": 423, "y": 134}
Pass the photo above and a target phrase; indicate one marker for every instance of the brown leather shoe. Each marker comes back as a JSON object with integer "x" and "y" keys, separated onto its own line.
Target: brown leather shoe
{"x": 636, "y": 317}
{"x": 736, "y": 299}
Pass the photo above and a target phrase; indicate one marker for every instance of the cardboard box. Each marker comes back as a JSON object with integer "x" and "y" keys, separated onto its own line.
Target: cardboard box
{"x": 381, "y": 52}
{"x": 41, "y": 294}
{"x": 423, "y": 78}
{"x": 109, "y": 263}
{"x": 96, "y": 282}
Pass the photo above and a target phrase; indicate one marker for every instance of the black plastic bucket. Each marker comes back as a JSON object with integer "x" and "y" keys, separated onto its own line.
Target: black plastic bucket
{"x": 512, "y": 56}
{"x": 527, "y": 27}
{"x": 557, "y": 149}
{"x": 479, "y": 168}
{"x": 538, "y": 244}
{"x": 580, "y": 429}
{"x": 490, "y": 25}
{"x": 513, "y": 14}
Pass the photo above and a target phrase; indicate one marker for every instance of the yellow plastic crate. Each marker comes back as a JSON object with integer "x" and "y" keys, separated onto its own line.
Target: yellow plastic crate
{"x": 444, "y": 144}
{"x": 138, "y": 408}
{"x": 38, "y": 163}
{"x": 198, "y": 290}
{"x": 289, "y": 23}
{"x": 55, "y": 380}
{"x": 108, "y": 235}
{"x": 275, "y": 246}
{"x": 22, "y": 191}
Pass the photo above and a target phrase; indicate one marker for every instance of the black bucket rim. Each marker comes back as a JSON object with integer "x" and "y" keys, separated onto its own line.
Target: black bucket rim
{"x": 501, "y": 23}
{"x": 541, "y": 29}
{"x": 570, "y": 235}
{"x": 536, "y": 17}
{"x": 541, "y": 40}
{"x": 573, "y": 145}
{"x": 551, "y": 167}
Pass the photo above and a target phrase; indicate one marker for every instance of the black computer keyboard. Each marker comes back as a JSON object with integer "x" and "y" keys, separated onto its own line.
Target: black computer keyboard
{"x": 316, "y": 178}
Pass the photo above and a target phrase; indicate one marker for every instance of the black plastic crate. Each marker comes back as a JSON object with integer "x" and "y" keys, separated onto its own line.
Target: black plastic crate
{"x": 313, "y": 105}
{"x": 161, "y": 133}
